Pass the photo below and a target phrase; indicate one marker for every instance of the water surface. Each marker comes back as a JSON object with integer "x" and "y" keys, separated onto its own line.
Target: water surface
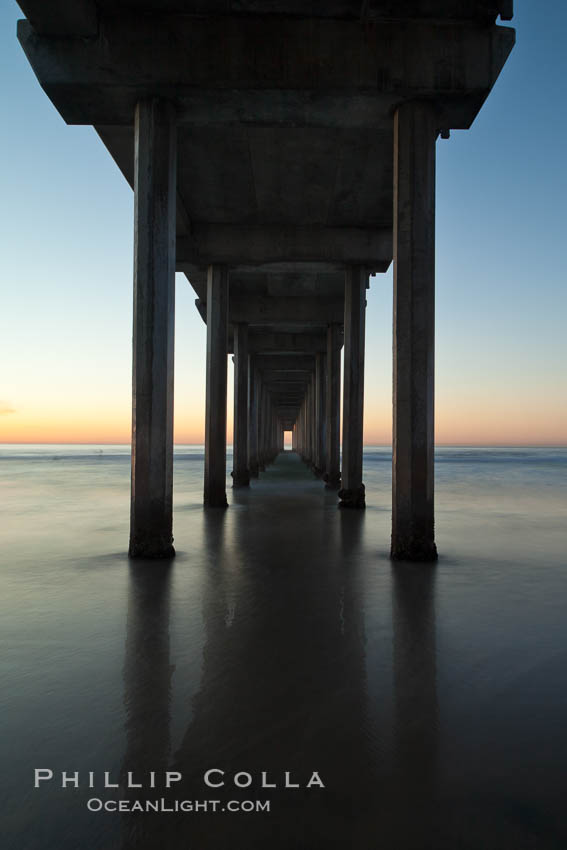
{"x": 430, "y": 699}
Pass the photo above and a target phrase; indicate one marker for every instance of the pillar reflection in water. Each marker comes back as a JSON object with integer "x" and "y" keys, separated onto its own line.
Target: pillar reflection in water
{"x": 147, "y": 686}
{"x": 416, "y": 718}
{"x": 284, "y": 687}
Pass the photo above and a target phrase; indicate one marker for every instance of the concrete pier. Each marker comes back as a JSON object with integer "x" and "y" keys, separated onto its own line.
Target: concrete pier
{"x": 240, "y": 471}
{"x": 215, "y": 412}
{"x": 415, "y": 133}
{"x": 351, "y": 494}
{"x": 153, "y": 338}
{"x": 313, "y": 162}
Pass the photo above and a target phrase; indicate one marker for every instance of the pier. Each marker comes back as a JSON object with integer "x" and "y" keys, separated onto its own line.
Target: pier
{"x": 281, "y": 159}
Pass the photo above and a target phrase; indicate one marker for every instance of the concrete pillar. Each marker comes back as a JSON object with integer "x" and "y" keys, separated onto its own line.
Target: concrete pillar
{"x": 155, "y": 166}
{"x": 261, "y": 427}
{"x": 333, "y": 408}
{"x": 414, "y": 333}
{"x": 351, "y": 493}
{"x": 320, "y": 412}
{"x": 252, "y": 418}
{"x": 313, "y": 422}
{"x": 308, "y": 424}
{"x": 215, "y": 411}
{"x": 240, "y": 471}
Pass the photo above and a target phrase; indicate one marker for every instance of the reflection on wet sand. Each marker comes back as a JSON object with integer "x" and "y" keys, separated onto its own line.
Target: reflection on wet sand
{"x": 283, "y": 686}
{"x": 416, "y": 726}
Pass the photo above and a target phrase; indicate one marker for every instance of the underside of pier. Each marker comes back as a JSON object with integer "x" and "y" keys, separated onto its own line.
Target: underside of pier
{"x": 281, "y": 153}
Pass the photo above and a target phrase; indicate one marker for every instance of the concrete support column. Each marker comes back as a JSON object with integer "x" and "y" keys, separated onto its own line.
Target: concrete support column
{"x": 155, "y": 167}
{"x": 262, "y": 425}
{"x": 308, "y": 424}
{"x": 415, "y": 134}
{"x": 252, "y": 418}
{"x": 313, "y": 422}
{"x": 333, "y": 408}
{"x": 240, "y": 471}
{"x": 320, "y": 459}
{"x": 215, "y": 412}
{"x": 351, "y": 493}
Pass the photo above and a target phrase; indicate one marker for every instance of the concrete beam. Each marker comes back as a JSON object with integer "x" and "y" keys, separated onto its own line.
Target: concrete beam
{"x": 267, "y": 311}
{"x": 282, "y": 377}
{"x": 481, "y": 10}
{"x": 254, "y": 245}
{"x": 316, "y": 311}
{"x": 306, "y": 71}
{"x": 62, "y": 18}
{"x": 287, "y": 343}
{"x": 287, "y": 362}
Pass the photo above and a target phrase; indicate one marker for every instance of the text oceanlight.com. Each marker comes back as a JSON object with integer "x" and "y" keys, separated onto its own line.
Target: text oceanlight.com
{"x": 162, "y": 806}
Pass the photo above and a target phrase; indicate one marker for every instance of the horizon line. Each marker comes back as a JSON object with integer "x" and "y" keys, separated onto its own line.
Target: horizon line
{"x": 498, "y": 444}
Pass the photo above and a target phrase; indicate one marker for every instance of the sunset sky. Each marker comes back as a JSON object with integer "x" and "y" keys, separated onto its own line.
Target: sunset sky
{"x": 501, "y": 352}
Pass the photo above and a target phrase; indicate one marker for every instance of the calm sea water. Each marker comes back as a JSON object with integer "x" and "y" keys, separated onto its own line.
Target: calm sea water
{"x": 431, "y": 700}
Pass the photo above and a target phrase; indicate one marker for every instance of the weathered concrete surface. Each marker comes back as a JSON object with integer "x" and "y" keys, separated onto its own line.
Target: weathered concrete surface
{"x": 320, "y": 413}
{"x": 256, "y": 245}
{"x": 333, "y": 407}
{"x": 215, "y": 407}
{"x": 302, "y": 71}
{"x": 153, "y": 337}
{"x": 253, "y": 392}
{"x": 287, "y": 343}
{"x": 240, "y": 471}
{"x": 351, "y": 493}
{"x": 414, "y": 333}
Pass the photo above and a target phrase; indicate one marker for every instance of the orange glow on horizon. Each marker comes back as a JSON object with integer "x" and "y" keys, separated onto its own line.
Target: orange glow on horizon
{"x": 484, "y": 422}
{"x": 377, "y": 432}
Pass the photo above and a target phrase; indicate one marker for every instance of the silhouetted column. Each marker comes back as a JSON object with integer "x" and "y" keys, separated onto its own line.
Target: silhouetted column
{"x": 333, "y": 408}
{"x": 261, "y": 426}
{"x": 215, "y": 414}
{"x": 313, "y": 422}
{"x": 155, "y": 166}
{"x": 309, "y": 423}
{"x": 240, "y": 472}
{"x": 320, "y": 411}
{"x": 414, "y": 333}
{"x": 351, "y": 493}
{"x": 252, "y": 418}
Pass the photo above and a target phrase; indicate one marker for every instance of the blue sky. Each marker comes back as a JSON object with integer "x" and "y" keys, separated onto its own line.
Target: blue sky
{"x": 66, "y": 266}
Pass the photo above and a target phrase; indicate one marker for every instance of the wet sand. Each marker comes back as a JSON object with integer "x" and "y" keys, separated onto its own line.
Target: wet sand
{"x": 430, "y": 700}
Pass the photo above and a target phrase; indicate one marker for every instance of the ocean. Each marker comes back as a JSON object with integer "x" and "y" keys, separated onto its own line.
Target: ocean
{"x": 429, "y": 700}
